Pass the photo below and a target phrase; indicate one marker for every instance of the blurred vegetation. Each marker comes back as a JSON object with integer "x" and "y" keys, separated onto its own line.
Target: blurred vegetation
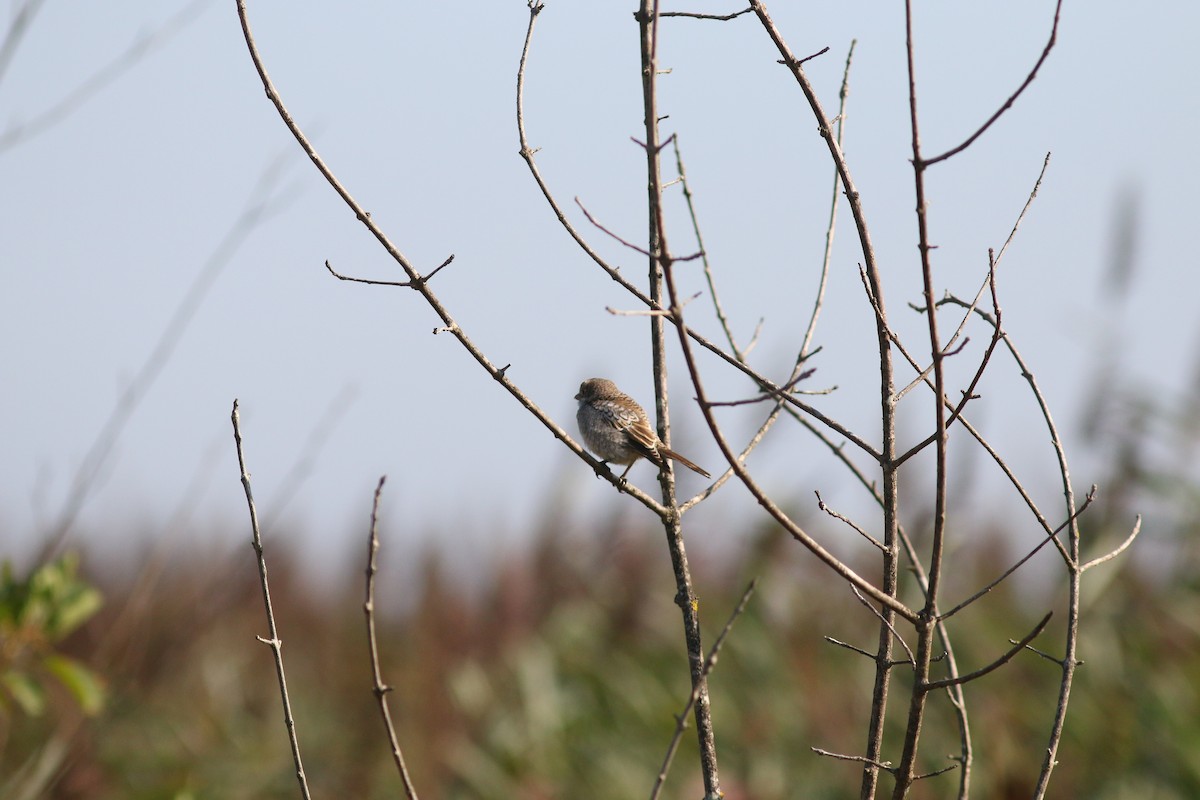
{"x": 561, "y": 677}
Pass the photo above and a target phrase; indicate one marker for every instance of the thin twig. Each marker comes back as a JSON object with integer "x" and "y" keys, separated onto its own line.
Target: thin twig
{"x": 999, "y": 662}
{"x": 689, "y": 200}
{"x": 1042, "y": 653}
{"x": 886, "y": 622}
{"x": 401, "y": 284}
{"x": 850, "y": 647}
{"x": 1012, "y": 98}
{"x": 1054, "y": 533}
{"x": 796, "y": 62}
{"x": 924, "y": 775}
{"x": 273, "y": 641}
{"x": 886, "y": 766}
{"x": 381, "y": 689}
{"x": 709, "y": 663}
{"x": 968, "y": 394}
{"x": 646, "y": 312}
{"x": 994, "y": 262}
{"x": 718, "y": 17}
{"x": 611, "y": 235}
{"x": 822, "y": 506}
{"x": 831, "y": 227}
{"x": 1109, "y": 556}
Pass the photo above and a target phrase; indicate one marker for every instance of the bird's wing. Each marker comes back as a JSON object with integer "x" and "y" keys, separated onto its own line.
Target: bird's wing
{"x": 643, "y": 439}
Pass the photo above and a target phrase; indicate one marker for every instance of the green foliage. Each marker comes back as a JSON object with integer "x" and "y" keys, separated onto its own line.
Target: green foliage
{"x": 36, "y": 615}
{"x": 563, "y": 676}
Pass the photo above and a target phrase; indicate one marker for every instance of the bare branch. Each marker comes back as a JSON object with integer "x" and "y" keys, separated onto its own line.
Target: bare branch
{"x": 831, "y": 227}
{"x": 1087, "y": 502}
{"x": 994, "y": 262}
{"x": 273, "y": 641}
{"x": 922, "y": 776}
{"x": 887, "y": 623}
{"x": 693, "y": 15}
{"x": 646, "y": 312}
{"x": 708, "y": 272}
{"x": 403, "y": 284}
{"x": 1060, "y": 662}
{"x": 1012, "y": 98}
{"x": 850, "y": 647}
{"x": 821, "y": 505}
{"x": 612, "y": 235}
{"x": 381, "y": 689}
{"x": 1095, "y": 562}
{"x": 709, "y": 663}
{"x": 886, "y": 766}
{"x": 1001, "y": 661}
{"x": 798, "y": 61}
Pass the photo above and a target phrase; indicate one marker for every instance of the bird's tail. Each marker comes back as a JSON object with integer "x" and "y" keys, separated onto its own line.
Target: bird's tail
{"x": 666, "y": 453}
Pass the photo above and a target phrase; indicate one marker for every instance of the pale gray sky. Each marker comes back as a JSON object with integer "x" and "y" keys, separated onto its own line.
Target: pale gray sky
{"x": 110, "y": 215}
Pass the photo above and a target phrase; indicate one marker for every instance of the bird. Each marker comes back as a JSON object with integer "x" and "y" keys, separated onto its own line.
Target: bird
{"x": 615, "y": 428}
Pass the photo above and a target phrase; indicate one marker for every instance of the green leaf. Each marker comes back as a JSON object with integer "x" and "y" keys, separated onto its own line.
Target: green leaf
{"x": 53, "y": 600}
{"x": 76, "y": 604}
{"x": 26, "y": 692}
{"x": 84, "y": 685}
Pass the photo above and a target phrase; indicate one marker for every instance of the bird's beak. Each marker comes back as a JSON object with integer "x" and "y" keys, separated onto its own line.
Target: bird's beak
{"x": 578, "y": 395}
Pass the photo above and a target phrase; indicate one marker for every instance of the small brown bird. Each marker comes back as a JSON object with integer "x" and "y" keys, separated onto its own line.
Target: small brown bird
{"x": 616, "y": 428}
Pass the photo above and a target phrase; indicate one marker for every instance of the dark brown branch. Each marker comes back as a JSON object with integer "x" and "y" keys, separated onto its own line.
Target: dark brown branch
{"x": 886, "y": 766}
{"x": 1053, "y": 534}
{"x": 969, "y": 393}
{"x": 799, "y": 61}
{"x": 694, "y": 15}
{"x": 885, "y": 622}
{"x": 848, "y": 646}
{"x": 420, "y": 280}
{"x": 821, "y": 505}
{"x": 935, "y": 773}
{"x": 381, "y": 689}
{"x": 1012, "y": 99}
{"x": 1001, "y": 661}
{"x": 603, "y": 229}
